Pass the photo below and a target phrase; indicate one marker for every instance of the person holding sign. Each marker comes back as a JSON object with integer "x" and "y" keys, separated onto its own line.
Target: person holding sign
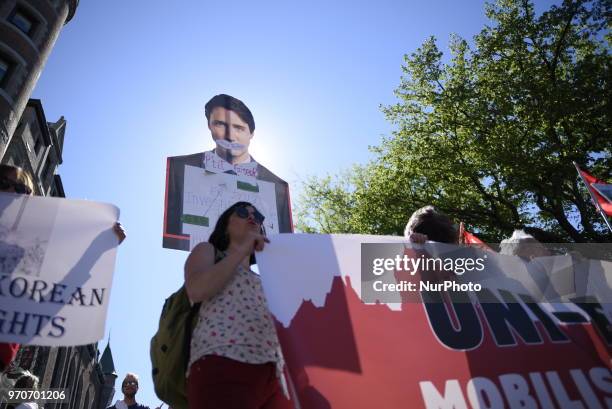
{"x": 235, "y": 359}
{"x": 14, "y": 179}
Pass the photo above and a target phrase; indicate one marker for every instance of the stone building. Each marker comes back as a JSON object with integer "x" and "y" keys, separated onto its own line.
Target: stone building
{"x": 37, "y": 147}
{"x": 28, "y": 31}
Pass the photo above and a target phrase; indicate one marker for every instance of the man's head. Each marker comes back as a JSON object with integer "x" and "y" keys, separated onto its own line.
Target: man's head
{"x": 231, "y": 125}
{"x": 129, "y": 386}
{"x": 27, "y": 380}
{"x": 435, "y": 225}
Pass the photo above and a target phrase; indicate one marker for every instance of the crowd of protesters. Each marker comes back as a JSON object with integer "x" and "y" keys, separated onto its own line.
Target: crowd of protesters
{"x": 235, "y": 356}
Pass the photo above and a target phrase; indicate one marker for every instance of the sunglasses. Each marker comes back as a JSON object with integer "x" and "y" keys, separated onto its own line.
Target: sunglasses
{"x": 243, "y": 213}
{"x": 132, "y": 383}
{"x": 19, "y": 187}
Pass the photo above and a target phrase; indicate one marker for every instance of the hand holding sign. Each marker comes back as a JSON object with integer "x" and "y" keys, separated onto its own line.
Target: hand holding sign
{"x": 57, "y": 293}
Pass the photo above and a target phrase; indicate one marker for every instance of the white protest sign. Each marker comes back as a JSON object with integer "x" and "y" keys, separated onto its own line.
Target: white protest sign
{"x": 207, "y": 195}
{"x": 57, "y": 258}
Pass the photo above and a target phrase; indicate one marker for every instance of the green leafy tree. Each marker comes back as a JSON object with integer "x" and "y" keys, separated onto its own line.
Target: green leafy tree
{"x": 490, "y": 135}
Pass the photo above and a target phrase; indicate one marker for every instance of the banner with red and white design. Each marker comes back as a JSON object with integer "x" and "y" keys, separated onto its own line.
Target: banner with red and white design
{"x": 501, "y": 347}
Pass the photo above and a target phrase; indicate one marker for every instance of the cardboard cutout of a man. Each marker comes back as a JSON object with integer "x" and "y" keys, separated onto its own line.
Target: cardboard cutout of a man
{"x": 232, "y": 128}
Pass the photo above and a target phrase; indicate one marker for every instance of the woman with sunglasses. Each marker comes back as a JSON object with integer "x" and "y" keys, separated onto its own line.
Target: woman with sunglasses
{"x": 235, "y": 359}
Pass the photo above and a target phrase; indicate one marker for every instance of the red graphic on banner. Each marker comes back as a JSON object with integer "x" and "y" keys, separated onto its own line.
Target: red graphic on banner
{"x": 347, "y": 354}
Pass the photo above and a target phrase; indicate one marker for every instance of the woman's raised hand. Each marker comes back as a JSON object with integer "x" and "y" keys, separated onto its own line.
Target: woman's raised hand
{"x": 253, "y": 242}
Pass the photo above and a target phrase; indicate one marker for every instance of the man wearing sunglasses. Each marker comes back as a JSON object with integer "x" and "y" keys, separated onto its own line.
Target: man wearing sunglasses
{"x": 129, "y": 387}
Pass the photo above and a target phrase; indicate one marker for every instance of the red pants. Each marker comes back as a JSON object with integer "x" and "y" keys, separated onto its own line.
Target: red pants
{"x": 217, "y": 382}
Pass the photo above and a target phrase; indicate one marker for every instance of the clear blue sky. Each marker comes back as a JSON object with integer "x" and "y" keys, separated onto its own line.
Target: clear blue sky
{"x": 132, "y": 78}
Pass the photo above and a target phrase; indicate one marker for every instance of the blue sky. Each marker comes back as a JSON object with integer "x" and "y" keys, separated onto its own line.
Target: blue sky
{"x": 132, "y": 78}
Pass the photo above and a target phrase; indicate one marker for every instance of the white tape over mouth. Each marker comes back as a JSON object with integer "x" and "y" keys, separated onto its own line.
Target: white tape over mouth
{"x": 229, "y": 145}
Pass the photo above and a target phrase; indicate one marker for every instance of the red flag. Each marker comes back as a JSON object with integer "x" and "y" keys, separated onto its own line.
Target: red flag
{"x": 466, "y": 237}
{"x": 600, "y": 191}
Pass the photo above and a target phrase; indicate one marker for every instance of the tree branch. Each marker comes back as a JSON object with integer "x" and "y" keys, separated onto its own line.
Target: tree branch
{"x": 559, "y": 215}
{"x": 568, "y": 24}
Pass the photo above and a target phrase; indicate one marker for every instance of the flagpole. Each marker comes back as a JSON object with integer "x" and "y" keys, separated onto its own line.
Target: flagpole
{"x": 593, "y": 198}
{"x": 461, "y": 233}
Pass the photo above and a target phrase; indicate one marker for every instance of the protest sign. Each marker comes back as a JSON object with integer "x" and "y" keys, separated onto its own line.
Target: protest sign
{"x": 196, "y": 182}
{"x": 57, "y": 258}
{"x": 500, "y": 347}
{"x": 207, "y": 195}
{"x": 232, "y": 129}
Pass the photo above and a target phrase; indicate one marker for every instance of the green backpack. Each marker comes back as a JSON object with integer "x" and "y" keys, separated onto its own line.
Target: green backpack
{"x": 170, "y": 347}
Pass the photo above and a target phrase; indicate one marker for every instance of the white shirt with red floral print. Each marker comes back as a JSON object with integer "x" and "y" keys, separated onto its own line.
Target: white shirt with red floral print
{"x": 236, "y": 324}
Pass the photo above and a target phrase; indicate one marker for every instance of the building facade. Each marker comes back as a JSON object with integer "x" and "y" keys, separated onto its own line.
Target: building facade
{"x": 28, "y": 32}
{"x": 37, "y": 146}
